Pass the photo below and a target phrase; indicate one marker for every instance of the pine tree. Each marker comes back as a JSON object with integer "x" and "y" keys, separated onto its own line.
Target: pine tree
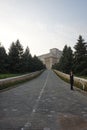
{"x": 15, "y": 57}
{"x": 3, "y": 60}
{"x": 37, "y": 64}
{"x": 27, "y": 61}
{"x": 66, "y": 61}
{"x": 80, "y": 57}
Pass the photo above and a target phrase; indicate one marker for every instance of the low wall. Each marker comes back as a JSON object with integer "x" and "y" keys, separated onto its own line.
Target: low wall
{"x": 78, "y": 82}
{"x": 4, "y": 83}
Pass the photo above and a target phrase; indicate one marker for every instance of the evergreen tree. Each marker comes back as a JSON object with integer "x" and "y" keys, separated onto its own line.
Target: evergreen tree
{"x": 66, "y": 61}
{"x": 27, "y": 61}
{"x": 37, "y": 64}
{"x": 3, "y": 60}
{"x": 15, "y": 57}
{"x": 80, "y": 57}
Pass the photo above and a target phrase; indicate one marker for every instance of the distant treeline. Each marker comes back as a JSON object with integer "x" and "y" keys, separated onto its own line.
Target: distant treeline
{"x": 17, "y": 60}
{"x": 75, "y": 61}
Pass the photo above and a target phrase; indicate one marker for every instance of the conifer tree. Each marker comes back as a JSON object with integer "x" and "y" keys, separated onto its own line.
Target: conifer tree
{"x": 3, "y": 60}
{"x": 27, "y": 61}
{"x": 80, "y": 57}
{"x": 66, "y": 61}
{"x": 15, "y": 57}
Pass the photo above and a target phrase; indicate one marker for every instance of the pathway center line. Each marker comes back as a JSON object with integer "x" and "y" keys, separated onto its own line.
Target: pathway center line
{"x": 37, "y": 101}
{"x": 40, "y": 95}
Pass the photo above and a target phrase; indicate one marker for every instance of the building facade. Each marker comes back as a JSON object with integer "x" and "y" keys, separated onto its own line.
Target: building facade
{"x": 51, "y": 58}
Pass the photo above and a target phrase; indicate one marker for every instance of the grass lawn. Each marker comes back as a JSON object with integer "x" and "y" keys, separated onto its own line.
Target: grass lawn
{"x": 84, "y": 77}
{"x": 3, "y": 76}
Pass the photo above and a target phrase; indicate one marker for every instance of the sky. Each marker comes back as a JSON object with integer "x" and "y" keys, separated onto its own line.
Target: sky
{"x": 42, "y": 24}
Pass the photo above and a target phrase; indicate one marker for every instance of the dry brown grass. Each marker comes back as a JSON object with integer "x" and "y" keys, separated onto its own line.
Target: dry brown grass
{"x": 78, "y": 82}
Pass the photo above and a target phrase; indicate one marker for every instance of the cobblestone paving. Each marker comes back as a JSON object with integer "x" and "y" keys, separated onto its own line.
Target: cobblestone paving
{"x": 45, "y": 103}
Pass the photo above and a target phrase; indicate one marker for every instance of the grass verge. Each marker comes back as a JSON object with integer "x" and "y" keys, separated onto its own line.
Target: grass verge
{"x": 3, "y": 76}
{"x": 13, "y": 83}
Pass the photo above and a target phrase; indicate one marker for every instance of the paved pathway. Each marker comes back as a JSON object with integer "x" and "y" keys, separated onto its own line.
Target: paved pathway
{"x": 45, "y": 103}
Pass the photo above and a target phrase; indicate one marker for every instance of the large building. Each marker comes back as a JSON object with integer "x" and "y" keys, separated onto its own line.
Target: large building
{"x": 51, "y": 58}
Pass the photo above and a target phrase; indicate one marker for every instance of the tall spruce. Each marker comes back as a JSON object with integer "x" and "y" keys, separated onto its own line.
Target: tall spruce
{"x": 37, "y": 64}
{"x": 15, "y": 57}
{"x": 3, "y": 60}
{"x": 27, "y": 61}
{"x": 66, "y": 61}
{"x": 80, "y": 57}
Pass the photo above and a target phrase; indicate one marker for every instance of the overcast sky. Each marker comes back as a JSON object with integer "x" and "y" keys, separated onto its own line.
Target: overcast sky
{"x": 42, "y": 24}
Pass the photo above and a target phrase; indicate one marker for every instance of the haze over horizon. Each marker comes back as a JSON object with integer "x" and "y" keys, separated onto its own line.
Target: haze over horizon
{"x": 42, "y": 24}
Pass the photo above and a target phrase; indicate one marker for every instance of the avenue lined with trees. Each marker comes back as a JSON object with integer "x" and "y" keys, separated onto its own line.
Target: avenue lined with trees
{"x": 75, "y": 61}
{"x": 17, "y": 60}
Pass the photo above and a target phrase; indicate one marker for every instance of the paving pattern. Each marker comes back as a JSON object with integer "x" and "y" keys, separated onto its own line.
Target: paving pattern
{"x": 44, "y": 103}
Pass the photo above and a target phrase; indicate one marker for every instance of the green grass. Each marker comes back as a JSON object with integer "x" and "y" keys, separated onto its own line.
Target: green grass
{"x": 3, "y": 76}
{"x": 85, "y": 77}
{"x": 9, "y": 85}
